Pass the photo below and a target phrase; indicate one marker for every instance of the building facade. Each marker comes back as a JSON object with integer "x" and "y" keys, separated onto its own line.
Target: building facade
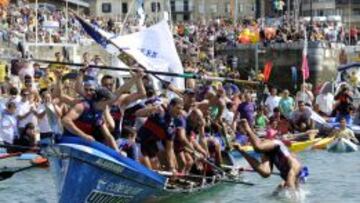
{"x": 119, "y": 9}
{"x": 231, "y": 9}
{"x": 349, "y": 10}
{"x": 180, "y": 10}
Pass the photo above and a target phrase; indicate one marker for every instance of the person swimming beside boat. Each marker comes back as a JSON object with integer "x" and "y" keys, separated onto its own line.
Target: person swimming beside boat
{"x": 345, "y": 132}
{"x": 274, "y": 153}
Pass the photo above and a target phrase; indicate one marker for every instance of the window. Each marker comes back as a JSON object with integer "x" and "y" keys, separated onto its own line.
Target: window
{"x": 186, "y": 5}
{"x": 124, "y": 8}
{"x": 179, "y": 6}
{"x": 172, "y": 5}
{"x": 106, "y": 7}
{"x": 155, "y": 7}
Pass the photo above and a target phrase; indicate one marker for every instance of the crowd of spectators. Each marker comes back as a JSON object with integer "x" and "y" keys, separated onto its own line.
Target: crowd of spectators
{"x": 18, "y": 23}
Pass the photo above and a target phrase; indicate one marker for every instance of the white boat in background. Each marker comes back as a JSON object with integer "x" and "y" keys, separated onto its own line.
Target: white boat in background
{"x": 342, "y": 145}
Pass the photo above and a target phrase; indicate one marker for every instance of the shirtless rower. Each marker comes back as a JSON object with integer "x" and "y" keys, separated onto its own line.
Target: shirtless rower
{"x": 274, "y": 152}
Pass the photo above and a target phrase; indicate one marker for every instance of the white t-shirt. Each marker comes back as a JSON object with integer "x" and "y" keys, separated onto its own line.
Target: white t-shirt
{"x": 4, "y": 101}
{"x": 44, "y": 126}
{"x": 22, "y": 109}
{"x": 8, "y": 128}
{"x": 228, "y": 116}
{"x": 325, "y": 102}
{"x": 272, "y": 102}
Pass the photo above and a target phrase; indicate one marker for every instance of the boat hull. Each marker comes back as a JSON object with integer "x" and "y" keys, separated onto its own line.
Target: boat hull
{"x": 84, "y": 177}
{"x": 323, "y": 143}
{"x": 342, "y": 145}
{"x": 94, "y": 173}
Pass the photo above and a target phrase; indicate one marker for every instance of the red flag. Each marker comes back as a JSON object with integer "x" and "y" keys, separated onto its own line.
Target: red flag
{"x": 305, "y": 67}
{"x": 267, "y": 71}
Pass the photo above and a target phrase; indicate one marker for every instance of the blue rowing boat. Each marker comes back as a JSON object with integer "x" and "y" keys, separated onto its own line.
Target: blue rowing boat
{"x": 91, "y": 172}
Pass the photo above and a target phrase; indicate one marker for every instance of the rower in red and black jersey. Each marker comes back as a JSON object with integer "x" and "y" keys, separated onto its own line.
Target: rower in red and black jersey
{"x": 89, "y": 120}
{"x": 116, "y": 110}
{"x": 162, "y": 125}
{"x": 275, "y": 153}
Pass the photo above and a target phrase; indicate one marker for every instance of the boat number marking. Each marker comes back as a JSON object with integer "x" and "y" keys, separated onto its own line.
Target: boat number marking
{"x": 118, "y": 188}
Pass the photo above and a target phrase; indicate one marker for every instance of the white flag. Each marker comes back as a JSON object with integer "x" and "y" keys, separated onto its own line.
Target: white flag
{"x": 154, "y": 48}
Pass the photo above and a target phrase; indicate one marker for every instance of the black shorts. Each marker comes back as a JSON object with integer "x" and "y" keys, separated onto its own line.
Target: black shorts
{"x": 149, "y": 148}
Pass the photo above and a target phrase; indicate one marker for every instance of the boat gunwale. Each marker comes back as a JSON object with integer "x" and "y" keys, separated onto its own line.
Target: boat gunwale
{"x": 59, "y": 154}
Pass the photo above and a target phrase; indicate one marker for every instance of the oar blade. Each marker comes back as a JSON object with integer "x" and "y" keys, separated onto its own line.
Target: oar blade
{"x": 6, "y": 175}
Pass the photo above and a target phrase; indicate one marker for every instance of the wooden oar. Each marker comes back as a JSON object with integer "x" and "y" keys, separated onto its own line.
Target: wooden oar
{"x": 311, "y": 133}
{"x": 5, "y": 156}
{"x": 229, "y": 175}
{"x": 161, "y": 73}
{"x": 241, "y": 169}
{"x": 8, "y": 174}
{"x": 235, "y": 181}
{"x": 11, "y": 146}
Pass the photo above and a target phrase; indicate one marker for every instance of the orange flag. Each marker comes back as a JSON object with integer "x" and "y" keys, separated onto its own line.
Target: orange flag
{"x": 267, "y": 70}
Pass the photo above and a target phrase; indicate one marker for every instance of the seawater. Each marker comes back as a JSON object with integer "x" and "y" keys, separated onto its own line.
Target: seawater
{"x": 333, "y": 178}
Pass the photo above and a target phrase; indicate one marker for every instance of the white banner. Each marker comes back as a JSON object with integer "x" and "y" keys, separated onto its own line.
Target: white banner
{"x": 154, "y": 48}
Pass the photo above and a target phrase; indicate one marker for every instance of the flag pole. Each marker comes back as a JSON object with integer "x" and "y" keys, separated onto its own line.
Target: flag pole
{"x": 170, "y": 74}
{"x": 130, "y": 60}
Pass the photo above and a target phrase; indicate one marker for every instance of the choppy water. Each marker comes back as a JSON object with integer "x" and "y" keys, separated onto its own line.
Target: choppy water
{"x": 334, "y": 178}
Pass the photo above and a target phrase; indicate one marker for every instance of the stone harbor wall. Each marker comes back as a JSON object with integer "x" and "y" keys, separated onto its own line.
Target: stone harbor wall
{"x": 323, "y": 61}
